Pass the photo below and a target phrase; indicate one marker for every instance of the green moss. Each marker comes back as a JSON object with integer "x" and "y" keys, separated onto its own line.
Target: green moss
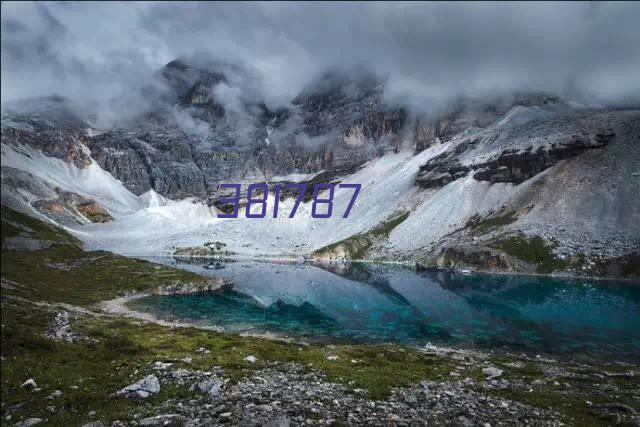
{"x": 69, "y": 274}
{"x": 533, "y": 250}
{"x": 482, "y": 226}
{"x": 356, "y": 246}
{"x": 571, "y": 404}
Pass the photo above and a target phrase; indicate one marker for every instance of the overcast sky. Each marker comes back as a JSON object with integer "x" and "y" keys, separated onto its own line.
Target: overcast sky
{"x": 431, "y": 53}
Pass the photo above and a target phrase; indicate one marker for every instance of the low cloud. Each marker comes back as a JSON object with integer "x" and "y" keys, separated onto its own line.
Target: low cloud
{"x": 430, "y": 53}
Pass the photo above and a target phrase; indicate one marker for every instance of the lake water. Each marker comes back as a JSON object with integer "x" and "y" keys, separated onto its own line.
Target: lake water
{"x": 376, "y": 303}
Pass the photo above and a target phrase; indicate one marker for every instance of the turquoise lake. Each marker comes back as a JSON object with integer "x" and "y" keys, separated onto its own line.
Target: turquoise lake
{"x": 375, "y": 303}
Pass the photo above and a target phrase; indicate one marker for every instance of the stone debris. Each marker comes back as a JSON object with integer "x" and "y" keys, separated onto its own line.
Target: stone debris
{"x": 251, "y": 359}
{"x": 290, "y": 394}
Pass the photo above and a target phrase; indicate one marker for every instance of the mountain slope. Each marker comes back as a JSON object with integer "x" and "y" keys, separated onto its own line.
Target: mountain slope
{"x": 530, "y": 184}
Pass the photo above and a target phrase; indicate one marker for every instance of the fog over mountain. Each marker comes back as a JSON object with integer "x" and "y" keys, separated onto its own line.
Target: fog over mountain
{"x": 103, "y": 55}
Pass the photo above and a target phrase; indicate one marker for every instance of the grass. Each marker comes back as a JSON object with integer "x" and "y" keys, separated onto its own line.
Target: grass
{"x": 357, "y": 246}
{"x": 482, "y": 226}
{"x": 18, "y": 224}
{"x": 125, "y": 349}
{"x": 533, "y": 250}
{"x": 68, "y": 274}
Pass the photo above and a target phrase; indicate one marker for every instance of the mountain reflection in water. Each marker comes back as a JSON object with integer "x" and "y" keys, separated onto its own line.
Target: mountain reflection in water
{"x": 359, "y": 302}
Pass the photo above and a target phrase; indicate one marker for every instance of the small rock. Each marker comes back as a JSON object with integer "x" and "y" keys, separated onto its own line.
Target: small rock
{"x": 162, "y": 420}
{"x": 211, "y": 387}
{"x": 142, "y": 388}
{"x": 251, "y": 359}
{"x": 492, "y": 372}
{"x": 60, "y": 328}
{"x": 424, "y": 387}
{"x": 332, "y": 357}
{"x": 94, "y": 424}
{"x": 203, "y": 350}
{"x": 29, "y": 422}
{"x": 162, "y": 365}
{"x": 30, "y": 383}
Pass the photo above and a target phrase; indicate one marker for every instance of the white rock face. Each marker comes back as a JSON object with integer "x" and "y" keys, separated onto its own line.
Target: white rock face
{"x": 142, "y": 388}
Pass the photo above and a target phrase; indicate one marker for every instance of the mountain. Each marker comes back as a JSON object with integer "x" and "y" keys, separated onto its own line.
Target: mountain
{"x": 526, "y": 183}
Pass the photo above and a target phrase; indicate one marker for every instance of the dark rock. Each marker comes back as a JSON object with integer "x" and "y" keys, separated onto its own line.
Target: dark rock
{"x": 479, "y": 258}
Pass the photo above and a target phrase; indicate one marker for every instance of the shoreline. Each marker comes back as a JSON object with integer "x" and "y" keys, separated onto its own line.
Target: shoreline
{"x": 413, "y": 265}
{"x": 118, "y": 307}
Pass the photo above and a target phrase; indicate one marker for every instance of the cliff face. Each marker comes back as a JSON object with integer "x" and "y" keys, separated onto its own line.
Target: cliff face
{"x": 193, "y": 141}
